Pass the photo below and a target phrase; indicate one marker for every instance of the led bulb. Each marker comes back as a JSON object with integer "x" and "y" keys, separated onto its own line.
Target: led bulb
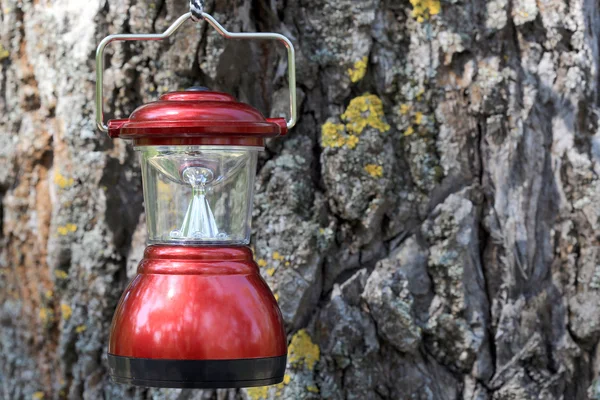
{"x": 199, "y": 222}
{"x": 197, "y": 176}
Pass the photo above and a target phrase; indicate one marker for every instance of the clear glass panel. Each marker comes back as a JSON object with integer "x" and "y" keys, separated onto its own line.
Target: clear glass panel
{"x": 198, "y": 194}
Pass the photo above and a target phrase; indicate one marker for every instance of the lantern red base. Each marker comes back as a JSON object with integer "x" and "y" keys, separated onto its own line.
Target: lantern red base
{"x": 197, "y": 317}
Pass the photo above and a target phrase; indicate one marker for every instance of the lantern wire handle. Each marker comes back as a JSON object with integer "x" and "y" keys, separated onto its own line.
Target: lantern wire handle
{"x": 222, "y": 31}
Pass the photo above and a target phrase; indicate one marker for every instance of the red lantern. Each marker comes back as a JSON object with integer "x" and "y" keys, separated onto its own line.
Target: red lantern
{"x": 197, "y": 314}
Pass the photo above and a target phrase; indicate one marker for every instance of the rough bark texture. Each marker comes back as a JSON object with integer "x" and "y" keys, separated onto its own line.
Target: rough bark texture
{"x": 430, "y": 226}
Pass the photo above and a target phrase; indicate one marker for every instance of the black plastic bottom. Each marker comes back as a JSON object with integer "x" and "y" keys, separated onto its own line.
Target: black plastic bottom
{"x": 197, "y": 374}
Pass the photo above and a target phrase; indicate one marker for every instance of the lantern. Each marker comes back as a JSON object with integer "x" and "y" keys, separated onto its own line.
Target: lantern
{"x": 197, "y": 314}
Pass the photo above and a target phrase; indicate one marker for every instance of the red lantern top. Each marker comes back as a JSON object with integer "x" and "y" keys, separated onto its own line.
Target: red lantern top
{"x": 197, "y": 117}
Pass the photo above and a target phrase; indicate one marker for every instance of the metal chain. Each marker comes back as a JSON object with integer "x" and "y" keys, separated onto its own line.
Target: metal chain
{"x": 196, "y": 8}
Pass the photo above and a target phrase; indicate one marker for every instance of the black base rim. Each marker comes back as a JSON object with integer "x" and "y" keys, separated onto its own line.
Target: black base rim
{"x": 197, "y": 374}
{"x": 197, "y": 385}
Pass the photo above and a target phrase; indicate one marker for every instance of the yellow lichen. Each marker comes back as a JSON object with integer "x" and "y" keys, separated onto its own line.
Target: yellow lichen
{"x": 66, "y": 229}
{"x": 46, "y": 314}
{"x": 331, "y": 135}
{"x": 61, "y": 181}
{"x": 302, "y": 350}
{"x": 270, "y": 271}
{"x": 352, "y": 141}
{"x": 262, "y": 263}
{"x": 258, "y": 393}
{"x": 358, "y": 71}
{"x": 423, "y": 9}
{"x": 287, "y": 264}
{"x": 312, "y": 389}
{"x": 49, "y": 294}
{"x": 376, "y": 171}
{"x": 418, "y": 118}
{"x": 60, "y": 274}
{"x": 363, "y": 111}
{"x": 66, "y": 311}
{"x": 277, "y": 256}
{"x": 404, "y": 109}
{"x": 3, "y": 53}
{"x": 276, "y": 295}
{"x": 37, "y": 395}
{"x": 80, "y": 328}
{"x": 279, "y": 388}
{"x": 409, "y": 131}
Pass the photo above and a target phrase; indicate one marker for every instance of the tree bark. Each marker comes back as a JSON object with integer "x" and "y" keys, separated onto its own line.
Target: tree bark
{"x": 429, "y": 227}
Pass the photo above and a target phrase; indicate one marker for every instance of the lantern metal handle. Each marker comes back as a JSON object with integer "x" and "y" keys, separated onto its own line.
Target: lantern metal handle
{"x": 219, "y": 28}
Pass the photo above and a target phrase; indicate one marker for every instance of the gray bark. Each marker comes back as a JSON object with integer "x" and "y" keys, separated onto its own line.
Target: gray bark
{"x": 430, "y": 226}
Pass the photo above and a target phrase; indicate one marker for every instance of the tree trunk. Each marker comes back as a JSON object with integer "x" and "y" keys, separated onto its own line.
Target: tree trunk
{"x": 429, "y": 227}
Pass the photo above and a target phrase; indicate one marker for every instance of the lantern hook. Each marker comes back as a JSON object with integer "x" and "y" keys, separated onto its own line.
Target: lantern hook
{"x": 221, "y": 30}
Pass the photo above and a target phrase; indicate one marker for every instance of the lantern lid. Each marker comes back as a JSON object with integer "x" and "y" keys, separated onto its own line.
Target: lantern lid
{"x": 197, "y": 116}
